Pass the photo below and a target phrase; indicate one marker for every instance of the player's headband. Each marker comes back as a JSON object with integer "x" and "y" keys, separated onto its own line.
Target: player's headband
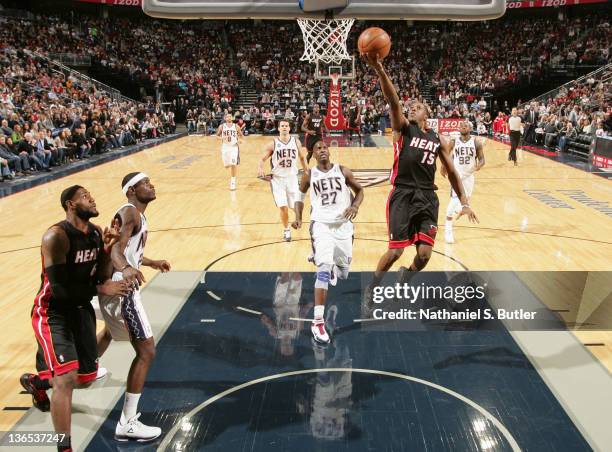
{"x": 133, "y": 181}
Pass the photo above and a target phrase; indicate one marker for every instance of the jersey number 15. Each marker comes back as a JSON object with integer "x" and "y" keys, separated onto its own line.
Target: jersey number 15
{"x": 429, "y": 158}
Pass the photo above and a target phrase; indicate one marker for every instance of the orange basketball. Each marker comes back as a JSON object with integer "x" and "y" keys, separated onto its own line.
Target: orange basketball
{"x": 374, "y": 40}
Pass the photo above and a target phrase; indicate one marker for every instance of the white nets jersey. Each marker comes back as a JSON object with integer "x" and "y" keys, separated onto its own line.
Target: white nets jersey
{"x": 285, "y": 158}
{"x": 464, "y": 156}
{"x": 134, "y": 250}
{"x": 329, "y": 195}
{"x": 229, "y": 135}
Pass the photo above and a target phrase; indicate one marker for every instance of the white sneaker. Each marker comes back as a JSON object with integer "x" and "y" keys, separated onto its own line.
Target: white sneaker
{"x": 333, "y": 276}
{"x": 232, "y": 185}
{"x": 287, "y": 235}
{"x": 136, "y": 430}
{"x": 102, "y": 372}
{"x": 448, "y": 237}
{"x": 318, "y": 332}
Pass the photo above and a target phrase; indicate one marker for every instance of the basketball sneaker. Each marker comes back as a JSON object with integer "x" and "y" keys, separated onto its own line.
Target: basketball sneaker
{"x": 39, "y": 396}
{"x": 318, "y": 332}
{"x": 232, "y": 185}
{"x": 136, "y": 430}
{"x": 102, "y": 372}
{"x": 287, "y": 235}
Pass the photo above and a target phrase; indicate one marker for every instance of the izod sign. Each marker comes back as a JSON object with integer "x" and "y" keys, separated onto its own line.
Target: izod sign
{"x": 449, "y": 125}
{"x": 114, "y": 2}
{"x": 334, "y": 119}
{"x": 548, "y": 3}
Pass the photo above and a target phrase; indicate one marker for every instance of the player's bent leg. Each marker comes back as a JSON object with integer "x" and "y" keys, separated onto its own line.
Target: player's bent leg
{"x": 385, "y": 263}
{"x": 145, "y": 354}
{"x": 61, "y": 401}
{"x": 103, "y": 340}
{"x": 317, "y": 328}
{"x": 284, "y": 216}
{"x": 129, "y": 427}
{"x": 451, "y": 211}
{"x": 233, "y": 171}
{"x": 422, "y": 257}
{"x": 323, "y": 276}
{"x": 342, "y": 272}
{"x": 37, "y": 387}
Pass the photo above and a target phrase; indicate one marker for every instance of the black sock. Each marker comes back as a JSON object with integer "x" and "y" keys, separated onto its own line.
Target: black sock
{"x": 41, "y": 384}
{"x": 64, "y": 445}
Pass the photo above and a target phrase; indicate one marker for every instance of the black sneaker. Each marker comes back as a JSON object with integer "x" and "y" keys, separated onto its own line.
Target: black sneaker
{"x": 39, "y": 397}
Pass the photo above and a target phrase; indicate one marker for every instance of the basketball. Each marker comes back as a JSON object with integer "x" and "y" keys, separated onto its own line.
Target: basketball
{"x": 374, "y": 40}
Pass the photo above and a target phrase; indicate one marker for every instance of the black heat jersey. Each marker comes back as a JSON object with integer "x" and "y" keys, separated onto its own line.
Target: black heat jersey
{"x": 315, "y": 123}
{"x": 415, "y": 159}
{"x": 66, "y": 331}
{"x": 353, "y": 116}
{"x": 81, "y": 265}
{"x": 412, "y": 207}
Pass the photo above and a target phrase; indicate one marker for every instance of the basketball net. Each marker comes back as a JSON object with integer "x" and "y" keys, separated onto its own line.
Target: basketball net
{"x": 325, "y": 40}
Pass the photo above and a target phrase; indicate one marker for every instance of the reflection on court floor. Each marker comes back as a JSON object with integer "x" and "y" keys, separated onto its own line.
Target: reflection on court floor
{"x": 237, "y": 370}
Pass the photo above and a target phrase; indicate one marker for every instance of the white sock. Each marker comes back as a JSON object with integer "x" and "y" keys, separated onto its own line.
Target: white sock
{"x": 233, "y": 179}
{"x": 319, "y": 310}
{"x": 130, "y": 406}
{"x": 449, "y": 226}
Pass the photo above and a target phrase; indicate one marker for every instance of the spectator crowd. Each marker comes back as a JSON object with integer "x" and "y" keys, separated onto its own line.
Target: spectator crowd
{"x": 204, "y": 69}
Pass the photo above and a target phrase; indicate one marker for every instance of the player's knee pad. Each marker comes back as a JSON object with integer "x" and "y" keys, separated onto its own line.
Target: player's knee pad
{"x": 323, "y": 276}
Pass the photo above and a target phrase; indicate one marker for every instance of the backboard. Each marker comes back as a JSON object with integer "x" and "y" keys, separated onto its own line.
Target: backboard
{"x": 359, "y": 9}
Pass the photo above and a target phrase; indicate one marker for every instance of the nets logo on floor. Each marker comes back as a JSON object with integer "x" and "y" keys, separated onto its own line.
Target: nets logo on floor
{"x": 371, "y": 177}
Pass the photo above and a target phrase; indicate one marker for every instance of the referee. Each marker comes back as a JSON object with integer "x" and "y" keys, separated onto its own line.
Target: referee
{"x": 515, "y": 123}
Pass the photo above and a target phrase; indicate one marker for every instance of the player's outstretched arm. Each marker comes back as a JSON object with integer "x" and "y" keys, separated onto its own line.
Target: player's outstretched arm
{"x": 398, "y": 120}
{"x": 454, "y": 179}
{"x": 479, "y": 154}
{"x": 129, "y": 219}
{"x": 161, "y": 264}
{"x": 299, "y": 204}
{"x": 267, "y": 153}
{"x": 351, "y": 212}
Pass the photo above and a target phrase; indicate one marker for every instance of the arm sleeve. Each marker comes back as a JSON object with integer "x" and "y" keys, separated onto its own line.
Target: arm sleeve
{"x": 66, "y": 291}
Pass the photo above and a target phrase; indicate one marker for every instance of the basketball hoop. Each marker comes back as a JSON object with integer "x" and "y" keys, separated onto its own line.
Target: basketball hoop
{"x": 325, "y": 40}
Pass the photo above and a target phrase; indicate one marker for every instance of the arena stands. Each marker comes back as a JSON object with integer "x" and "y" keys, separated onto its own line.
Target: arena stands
{"x": 571, "y": 116}
{"x": 255, "y": 72}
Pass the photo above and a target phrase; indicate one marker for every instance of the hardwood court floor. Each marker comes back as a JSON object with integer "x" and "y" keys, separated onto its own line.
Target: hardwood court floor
{"x": 526, "y": 223}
